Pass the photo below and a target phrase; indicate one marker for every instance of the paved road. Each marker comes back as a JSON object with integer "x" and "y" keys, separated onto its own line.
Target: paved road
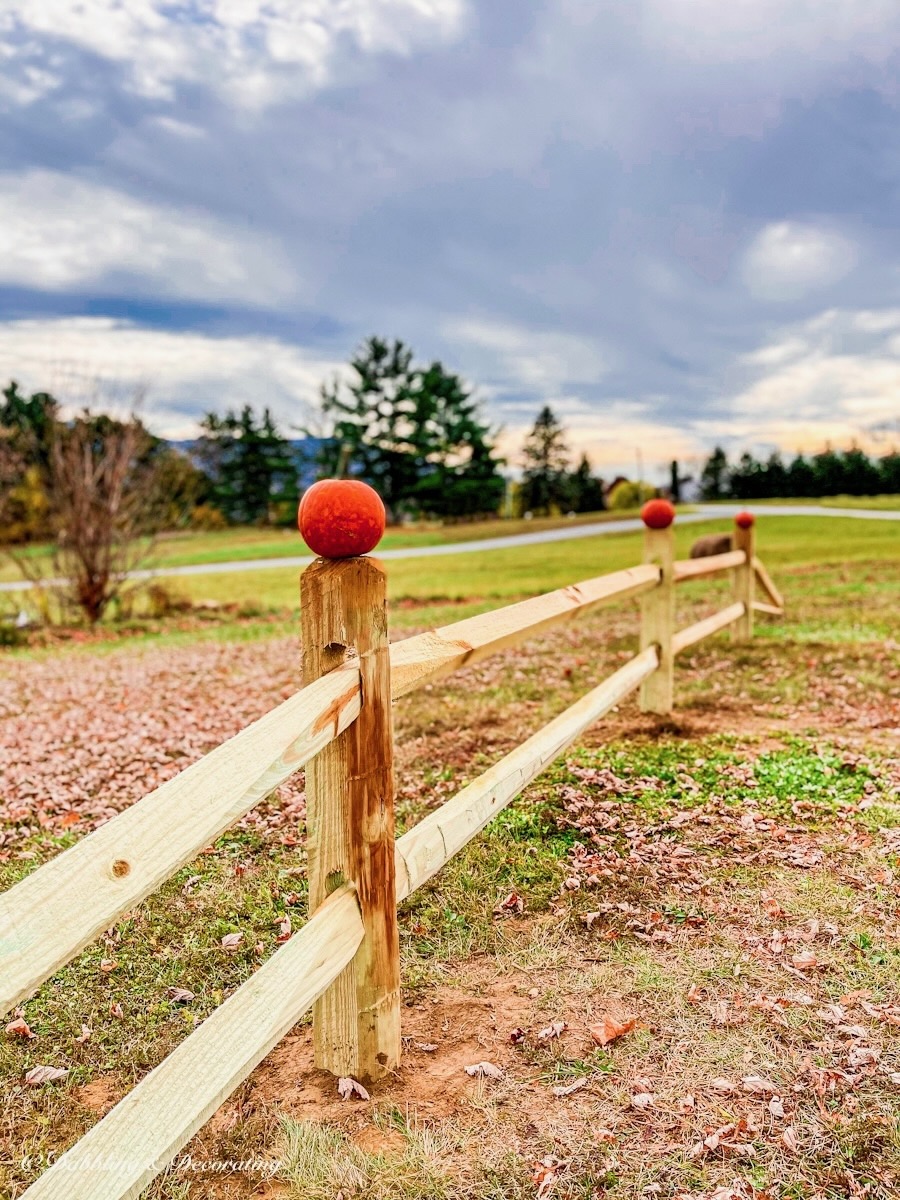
{"x": 567, "y": 533}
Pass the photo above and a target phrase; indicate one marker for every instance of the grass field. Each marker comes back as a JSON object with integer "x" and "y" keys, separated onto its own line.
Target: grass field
{"x": 246, "y": 543}
{"x": 721, "y": 886}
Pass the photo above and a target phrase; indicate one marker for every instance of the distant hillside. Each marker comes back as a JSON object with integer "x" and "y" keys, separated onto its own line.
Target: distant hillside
{"x": 305, "y": 451}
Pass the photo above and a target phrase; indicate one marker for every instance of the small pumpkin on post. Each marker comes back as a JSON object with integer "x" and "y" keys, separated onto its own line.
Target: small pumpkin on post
{"x": 658, "y": 606}
{"x": 350, "y": 784}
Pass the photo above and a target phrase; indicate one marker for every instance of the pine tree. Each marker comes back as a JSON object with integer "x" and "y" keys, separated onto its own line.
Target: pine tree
{"x": 714, "y": 477}
{"x": 586, "y": 489}
{"x": 545, "y": 480}
{"x": 249, "y": 464}
{"x": 414, "y": 433}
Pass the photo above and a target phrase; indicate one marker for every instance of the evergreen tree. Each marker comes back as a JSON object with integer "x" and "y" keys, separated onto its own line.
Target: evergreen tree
{"x": 828, "y": 470}
{"x": 250, "y": 466}
{"x": 586, "y": 489}
{"x": 801, "y": 478}
{"x": 776, "y": 476}
{"x": 714, "y": 477}
{"x": 414, "y": 433}
{"x": 862, "y": 477}
{"x": 545, "y": 480}
{"x": 889, "y": 472}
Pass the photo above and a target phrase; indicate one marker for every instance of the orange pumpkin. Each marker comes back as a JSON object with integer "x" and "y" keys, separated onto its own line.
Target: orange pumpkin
{"x": 340, "y": 518}
{"x": 657, "y": 514}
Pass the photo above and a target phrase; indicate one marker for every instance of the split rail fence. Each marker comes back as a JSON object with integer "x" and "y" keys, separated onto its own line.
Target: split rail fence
{"x": 344, "y": 963}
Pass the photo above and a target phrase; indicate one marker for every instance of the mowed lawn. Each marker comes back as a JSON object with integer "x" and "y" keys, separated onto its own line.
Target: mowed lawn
{"x": 679, "y": 947}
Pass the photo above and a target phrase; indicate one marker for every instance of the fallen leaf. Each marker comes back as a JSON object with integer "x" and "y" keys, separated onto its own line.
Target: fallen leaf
{"x": 107, "y": 965}
{"x": 772, "y": 908}
{"x": 426, "y": 1047}
{"x": 789, "y": 1139}
{"x": 19, "y": 1028}
{"x": 545, "y": 1174}
{"x": 606, "y": 1031}
{"x": 687, "y": 1104}
{"x": 513, "y": 903}
{"x": 38, "y": 1075}
{"x": 517, "y": 1036}
{"x": 85, "y": 1035}
{"x": 571, "y": 1087}
{"x": 806, "y": 961}
{"x": 776, "y": 1107}
{"x": 179, "y": 995}
{"x": 553, "y": 1030}
{"x": 642, "y": 1100}
{"x": 231, "y": 941}
{"x": 861, "y": 1056}
{"x": 485, "y": 1070}
{"x": 758, "y": 1085}
{"x": 694, "y": 993}
{"x": 116, "y": 1010}
{"x": 725, "y": 1086}
{"x": 348, "y": 1087}
{"x": 284, "y": 928}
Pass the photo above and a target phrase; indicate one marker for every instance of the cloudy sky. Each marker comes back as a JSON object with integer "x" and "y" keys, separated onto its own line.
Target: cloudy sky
{"x": 677, "y": 221}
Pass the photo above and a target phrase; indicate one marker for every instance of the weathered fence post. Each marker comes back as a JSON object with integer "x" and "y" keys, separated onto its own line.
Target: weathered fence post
{"x": 658, "y": 606}
{"x": 350, "y": 816}
{"x": 744, "y": 539}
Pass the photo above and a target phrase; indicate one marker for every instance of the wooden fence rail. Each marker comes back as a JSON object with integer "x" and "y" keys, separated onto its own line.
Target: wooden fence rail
{"x": 344, "y": 961}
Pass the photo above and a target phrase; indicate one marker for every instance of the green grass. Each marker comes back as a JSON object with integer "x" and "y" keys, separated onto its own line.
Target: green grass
{"x": 246, "y": 543}
{"x": 792, "y": 727}
{"x": 882, "y": 503}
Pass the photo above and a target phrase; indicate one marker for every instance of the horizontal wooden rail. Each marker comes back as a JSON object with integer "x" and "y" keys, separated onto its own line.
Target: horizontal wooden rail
{"x": 122, "y": 1153}
{"x": 712, "y": 564}
{"x": 769, "y": 609}
{"x": 708, "y": 626}
{"x": 428, "y": 656}
{"x": 57, "y": 910}
{"x": 765, "y": 580}
{"x": 429, "y": 845}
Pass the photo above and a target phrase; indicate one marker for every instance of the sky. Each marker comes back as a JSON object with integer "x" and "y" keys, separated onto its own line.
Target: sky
{"x": 675, "y": 221}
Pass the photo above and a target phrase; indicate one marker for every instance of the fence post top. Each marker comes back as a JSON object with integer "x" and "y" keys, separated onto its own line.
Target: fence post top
{"x": 658, "y": 514}
{"x": 341, "y": 518}
{"x": 745, "y": 520}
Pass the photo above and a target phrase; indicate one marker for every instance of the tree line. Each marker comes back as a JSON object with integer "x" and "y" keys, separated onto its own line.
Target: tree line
{"x": 829, "y": 473}
{"x": 97, "y": 489}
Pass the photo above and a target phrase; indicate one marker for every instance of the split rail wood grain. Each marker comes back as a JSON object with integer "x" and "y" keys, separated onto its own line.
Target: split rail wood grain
{"x": 344, "y": 960}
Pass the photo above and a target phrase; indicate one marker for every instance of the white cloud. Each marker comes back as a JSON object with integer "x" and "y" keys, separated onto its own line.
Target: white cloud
{"x": 545, "y": 361}
{"x": 184, "y": 373}
{"x": 751, "y": 30}
{"x": 788, "y": 259}
{"x": 256, "y": 51}
{"x": 839, "y": 382}
{"x": 58, "y": 232}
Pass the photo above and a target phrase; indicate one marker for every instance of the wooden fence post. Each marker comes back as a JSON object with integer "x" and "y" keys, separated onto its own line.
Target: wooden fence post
{"x": 658, "y": 606}
{"x": 744, "y": 539}
{"x": 350, "y": 816}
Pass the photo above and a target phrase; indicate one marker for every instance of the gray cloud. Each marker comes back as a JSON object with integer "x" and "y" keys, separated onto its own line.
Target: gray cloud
{"x": 609, "y": 207}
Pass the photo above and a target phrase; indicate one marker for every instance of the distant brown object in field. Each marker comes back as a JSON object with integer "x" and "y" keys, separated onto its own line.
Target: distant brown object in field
{"x": 713, "y": 543}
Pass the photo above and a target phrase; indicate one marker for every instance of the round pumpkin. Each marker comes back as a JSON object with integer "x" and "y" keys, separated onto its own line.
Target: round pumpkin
{"x": 657, "y": 514}
{"x": 745, "y": 520}
{"x": 341, "y": 518}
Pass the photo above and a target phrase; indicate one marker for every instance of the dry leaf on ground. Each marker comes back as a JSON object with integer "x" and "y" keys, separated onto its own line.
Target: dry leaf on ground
{"x": 609, "y": 1028}
{"x": 485, "y": 1070}
{"x": 348, "y": 1087}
